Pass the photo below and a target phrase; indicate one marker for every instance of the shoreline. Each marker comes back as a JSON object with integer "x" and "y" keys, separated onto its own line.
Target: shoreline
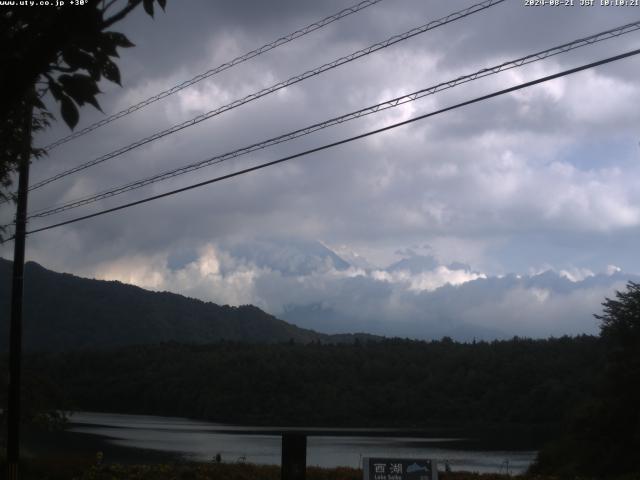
{"x": 474, "y": 438}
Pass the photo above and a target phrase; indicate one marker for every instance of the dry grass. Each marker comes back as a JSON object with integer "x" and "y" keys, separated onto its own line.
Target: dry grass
{"x": 246, "y": 472}
{"x": 79, "y": 469}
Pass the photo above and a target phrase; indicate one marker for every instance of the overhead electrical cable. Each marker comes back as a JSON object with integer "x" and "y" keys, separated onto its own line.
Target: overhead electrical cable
{"x": 534, "y": 57}
{"x": 341, "y": 142}
{"x": 220, "y": 68}
{"x": 278, "y": 86}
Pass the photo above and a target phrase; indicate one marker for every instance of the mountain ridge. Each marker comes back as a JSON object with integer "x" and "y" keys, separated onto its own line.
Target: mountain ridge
{"x": 63, "y": 311}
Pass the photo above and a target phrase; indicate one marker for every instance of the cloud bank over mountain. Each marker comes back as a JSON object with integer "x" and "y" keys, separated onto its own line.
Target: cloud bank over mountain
{"x": 312, "y": 286}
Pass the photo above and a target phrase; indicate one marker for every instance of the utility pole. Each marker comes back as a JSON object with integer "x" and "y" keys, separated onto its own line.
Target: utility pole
{"x": 15, "y": 335}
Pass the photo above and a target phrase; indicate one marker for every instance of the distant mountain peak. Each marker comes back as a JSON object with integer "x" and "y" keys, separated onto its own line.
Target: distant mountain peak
{"x": 414, "y": 264}
{"x": 350, "y": 256}
{"x": 289, "y": 256}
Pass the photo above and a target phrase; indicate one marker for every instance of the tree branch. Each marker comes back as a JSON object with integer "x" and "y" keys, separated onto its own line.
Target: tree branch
{"x": 108, "y": 5}
{"x": 60, "y": 68}
{"x": 121, "y": 14}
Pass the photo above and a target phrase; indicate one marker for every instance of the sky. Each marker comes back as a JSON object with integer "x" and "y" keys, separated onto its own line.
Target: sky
{"x": 478, "y": 202}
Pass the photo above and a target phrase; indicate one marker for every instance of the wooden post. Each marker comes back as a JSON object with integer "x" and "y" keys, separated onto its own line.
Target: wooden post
{"x": 294, "y": 456}
{"x": 15, "y": 334}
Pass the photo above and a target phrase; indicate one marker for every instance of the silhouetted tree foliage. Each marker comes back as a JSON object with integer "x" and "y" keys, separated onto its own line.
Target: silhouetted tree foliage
{"x": 603, "y": 437}
{"x": 64, "y": 51}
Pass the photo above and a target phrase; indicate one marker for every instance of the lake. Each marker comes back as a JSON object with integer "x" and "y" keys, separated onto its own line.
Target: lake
{"x": 201, "y": 441}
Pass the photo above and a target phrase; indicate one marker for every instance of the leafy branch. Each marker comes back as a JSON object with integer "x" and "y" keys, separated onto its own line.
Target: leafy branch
{"x": 65, "y": 53}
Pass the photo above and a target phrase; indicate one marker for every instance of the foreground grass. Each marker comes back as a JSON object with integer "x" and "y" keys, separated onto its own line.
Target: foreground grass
{"x": 210, "y": 472}
{"x": 244, "y": 472}
{"x": 74, "y": 470}
{"x": 266, "y": 472}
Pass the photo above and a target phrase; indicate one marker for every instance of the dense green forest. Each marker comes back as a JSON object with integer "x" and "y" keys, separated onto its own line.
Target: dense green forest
{"x": 527, "y": 385}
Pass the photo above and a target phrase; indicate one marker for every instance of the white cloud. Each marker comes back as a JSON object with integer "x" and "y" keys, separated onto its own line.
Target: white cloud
{"x": 425, "y": 304}
{"x": 596, "y": 98}
{"x": 426, "y": 281}
{"x": 213, "y": 276}
{"x": 576, "y": 274}
{"x": 612, "y": 269}
{"x": 529, "y": 312}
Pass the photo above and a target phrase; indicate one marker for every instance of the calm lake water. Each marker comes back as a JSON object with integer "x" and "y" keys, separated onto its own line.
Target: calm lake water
{"x": 201, "y": 441}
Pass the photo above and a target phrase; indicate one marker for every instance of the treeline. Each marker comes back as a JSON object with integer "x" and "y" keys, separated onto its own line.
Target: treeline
{"x": 531, "y": 384}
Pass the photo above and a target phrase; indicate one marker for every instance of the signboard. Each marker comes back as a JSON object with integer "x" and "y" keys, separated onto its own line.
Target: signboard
{"x": 399, "y": 469}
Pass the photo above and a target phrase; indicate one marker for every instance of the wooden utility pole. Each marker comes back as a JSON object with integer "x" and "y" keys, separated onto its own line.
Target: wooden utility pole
{"x": 15, "y": 335}
{"x": 294, "y": 456}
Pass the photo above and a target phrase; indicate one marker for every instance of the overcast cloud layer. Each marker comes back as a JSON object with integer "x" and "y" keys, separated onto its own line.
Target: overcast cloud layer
{"x": 542, "y": 179}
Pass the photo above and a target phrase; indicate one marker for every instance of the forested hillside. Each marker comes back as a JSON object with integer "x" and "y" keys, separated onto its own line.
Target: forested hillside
{"x": 65, "y": 312}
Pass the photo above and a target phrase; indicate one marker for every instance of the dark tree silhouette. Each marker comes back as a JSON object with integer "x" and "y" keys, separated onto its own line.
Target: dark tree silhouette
{"x": 64, "y": 51}
{"x": 603, "y": 437}
{"x": 620, "y": 321}
{"x": 620, "y": 413}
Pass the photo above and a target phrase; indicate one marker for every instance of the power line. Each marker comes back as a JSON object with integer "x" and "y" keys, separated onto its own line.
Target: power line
{"x": 534, "y": 57}
{"x": 291, "y": 81}
{"x": 220, "y": 68}
{"x": 347, "y": 140}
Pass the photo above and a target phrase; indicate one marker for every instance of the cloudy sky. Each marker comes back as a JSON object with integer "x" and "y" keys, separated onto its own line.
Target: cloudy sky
{"x": 477, "y": 202}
